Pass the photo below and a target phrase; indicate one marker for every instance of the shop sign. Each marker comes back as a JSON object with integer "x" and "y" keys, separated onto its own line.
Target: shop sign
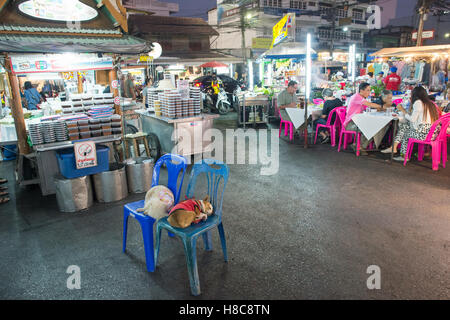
{"x": 114, "y": 84}
{"x": 283, "y": 29}
{"x": 261, "y": 43}
{"x": 429, "y": 34}
{"x": 58, "y": 10}
{"x": 65, "y": 62}
{"x": 145, "y": 58}
{"x": 117, "y": 101}
{"x": 85, "y": 154}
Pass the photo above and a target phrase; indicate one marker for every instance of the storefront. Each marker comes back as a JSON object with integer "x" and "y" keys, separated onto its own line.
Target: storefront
{"x": 76, "y": 63}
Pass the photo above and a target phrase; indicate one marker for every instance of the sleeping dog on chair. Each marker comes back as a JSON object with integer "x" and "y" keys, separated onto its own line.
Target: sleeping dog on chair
{"x": 190, "y": 211}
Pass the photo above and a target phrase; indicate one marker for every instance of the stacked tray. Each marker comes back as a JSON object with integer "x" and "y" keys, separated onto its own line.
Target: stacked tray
{"x": 34, "y": 129}
{"x": 196, "y": 94}
{"x": 60, "y": 130}
{"x": 48, "y": 132}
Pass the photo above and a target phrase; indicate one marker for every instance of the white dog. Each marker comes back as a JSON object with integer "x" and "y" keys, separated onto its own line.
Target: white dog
{"x": 158, "y": 201}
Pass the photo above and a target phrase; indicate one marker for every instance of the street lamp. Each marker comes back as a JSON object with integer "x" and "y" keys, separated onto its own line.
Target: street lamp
{"x": 308, "y": 67}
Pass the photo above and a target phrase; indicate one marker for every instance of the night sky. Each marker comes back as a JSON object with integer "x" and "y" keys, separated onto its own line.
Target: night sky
{"x": 194, "y": 8}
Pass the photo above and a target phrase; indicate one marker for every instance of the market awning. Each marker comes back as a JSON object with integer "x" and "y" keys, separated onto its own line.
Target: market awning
{"x": 57, "y": 44}
{"x": 413, "y": 51}
{"x": 288, "y": 50}
{"x": 213, "y": 64}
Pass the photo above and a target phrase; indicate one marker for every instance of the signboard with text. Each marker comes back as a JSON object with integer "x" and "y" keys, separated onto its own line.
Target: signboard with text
{"x": 59, "y": 63}
{"x": 85, "y": 154}
{"x": 428, "y": 34}
{"x": 283, "y": 29}
{"x": 261, "y": 43}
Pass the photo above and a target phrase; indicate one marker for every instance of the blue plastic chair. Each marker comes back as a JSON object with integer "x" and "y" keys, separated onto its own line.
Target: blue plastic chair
{"x": 189, "y": 235}
{"x": 174, "y": 164}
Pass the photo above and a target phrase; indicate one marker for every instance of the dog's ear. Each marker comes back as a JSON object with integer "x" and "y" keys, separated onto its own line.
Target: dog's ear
{"x": 206, "y": 198}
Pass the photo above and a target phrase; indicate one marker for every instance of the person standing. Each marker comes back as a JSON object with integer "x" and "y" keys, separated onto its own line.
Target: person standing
{"x": 393, "y": 80}
{"x": 129, "y": 87}
{"x": 371, "y": 79}
{"x": 148, "y": 85}
{"x": 32, "y": 96}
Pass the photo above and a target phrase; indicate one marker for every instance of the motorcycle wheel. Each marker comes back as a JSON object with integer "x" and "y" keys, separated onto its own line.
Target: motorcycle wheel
{"x": 222, "y": 108}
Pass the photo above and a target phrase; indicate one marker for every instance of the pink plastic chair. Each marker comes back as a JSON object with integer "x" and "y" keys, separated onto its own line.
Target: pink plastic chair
{"x": 436, "y": 145}
{"x": 329, "y": 126}
{"x": 397, "y": 101}
{"x": 318, "y": 101}
{"x": 288, "y": 125}
{"x": 344, "y": 135}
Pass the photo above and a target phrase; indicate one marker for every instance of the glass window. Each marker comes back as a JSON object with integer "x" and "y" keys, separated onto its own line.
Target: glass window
{"x": 272, "y": 3}
{"x": 295, "y": 4}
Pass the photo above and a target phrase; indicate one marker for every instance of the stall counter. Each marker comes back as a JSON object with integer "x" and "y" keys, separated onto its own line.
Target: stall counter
{"x": 165, "y": 129}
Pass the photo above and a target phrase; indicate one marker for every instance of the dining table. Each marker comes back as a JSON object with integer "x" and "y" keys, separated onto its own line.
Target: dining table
{"x": 370, "y": 123}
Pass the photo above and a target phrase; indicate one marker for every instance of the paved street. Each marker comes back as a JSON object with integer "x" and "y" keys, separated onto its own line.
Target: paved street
{"x": 309, "y": 232}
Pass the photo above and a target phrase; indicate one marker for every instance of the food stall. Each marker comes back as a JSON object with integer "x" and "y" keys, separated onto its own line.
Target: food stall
{"x": 425, "y": 65}
{"x": 174, "y": 119}
{"x": 35, "y": 42}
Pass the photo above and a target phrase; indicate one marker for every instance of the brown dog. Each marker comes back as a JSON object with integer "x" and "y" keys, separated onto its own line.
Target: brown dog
{"x": 190, "y": 211}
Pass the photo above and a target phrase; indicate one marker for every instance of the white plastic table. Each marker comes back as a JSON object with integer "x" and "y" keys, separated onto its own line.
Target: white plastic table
{"x": 297, "y": 115}
{"x": 370, "y": 123}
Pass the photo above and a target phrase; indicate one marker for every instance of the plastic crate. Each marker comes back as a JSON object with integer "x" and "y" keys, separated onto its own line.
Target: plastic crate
{"x": 67, "y": 165}
{"x": 9, "y": 152}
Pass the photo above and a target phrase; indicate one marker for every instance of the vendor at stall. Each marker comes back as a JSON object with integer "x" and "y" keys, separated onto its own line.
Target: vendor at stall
{"x": 32, "y": 96}
{"x": 287, "y": 99}
{"x": 379, "y": 78}
{"x": 393, "y": 80}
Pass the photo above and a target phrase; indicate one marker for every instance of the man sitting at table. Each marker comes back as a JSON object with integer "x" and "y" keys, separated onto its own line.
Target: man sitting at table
{"x": 356, "y": 105}
{"x": 330, "y": 103}
{"x": 287, "y": 99}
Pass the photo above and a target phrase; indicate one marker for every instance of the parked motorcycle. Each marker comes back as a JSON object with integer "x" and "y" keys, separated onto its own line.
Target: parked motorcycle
{"x": 216, "y": 103}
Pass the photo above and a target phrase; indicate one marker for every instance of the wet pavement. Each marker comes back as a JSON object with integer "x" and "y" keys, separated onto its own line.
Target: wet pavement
{"x": 308, "y": 232}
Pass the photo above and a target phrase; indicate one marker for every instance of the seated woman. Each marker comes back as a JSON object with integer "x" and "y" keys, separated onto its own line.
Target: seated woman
{"x": 330, "y": 103}
{"x": 415, "y": 125}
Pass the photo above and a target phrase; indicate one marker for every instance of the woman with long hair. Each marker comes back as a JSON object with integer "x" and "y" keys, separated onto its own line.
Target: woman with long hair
{"x": 418, "y": 123}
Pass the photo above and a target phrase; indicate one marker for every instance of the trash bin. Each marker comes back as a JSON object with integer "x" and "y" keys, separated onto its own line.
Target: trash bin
{"x": 73, "y": 195}
{"x": 139, "y": 174}
{"x": 111, "y": 185}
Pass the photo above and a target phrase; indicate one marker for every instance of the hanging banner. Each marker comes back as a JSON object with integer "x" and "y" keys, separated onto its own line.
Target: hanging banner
{"x": 261, "y": 43}
{"x": 85, "y": 154}
{"x": 65, "y": 62}
{"x": 283, "y": 29}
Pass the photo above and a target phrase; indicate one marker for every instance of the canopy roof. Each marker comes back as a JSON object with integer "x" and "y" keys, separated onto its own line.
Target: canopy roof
{"x": 20, "y": 33}
{"x": 413, "y": 51}
{"x": 287, "y": 50}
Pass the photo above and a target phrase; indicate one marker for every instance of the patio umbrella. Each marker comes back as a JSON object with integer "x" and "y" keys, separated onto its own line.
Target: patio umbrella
{"x": 213, "y": 64}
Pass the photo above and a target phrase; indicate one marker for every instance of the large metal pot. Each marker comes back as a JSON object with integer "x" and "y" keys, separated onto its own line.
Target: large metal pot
{"x": 73, "y": 195}
{"x": 111, "y": 185}
{"x": 139, "y": 174}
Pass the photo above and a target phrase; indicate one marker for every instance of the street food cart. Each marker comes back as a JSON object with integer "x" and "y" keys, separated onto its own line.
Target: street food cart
{"x": 170, "y": 133}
